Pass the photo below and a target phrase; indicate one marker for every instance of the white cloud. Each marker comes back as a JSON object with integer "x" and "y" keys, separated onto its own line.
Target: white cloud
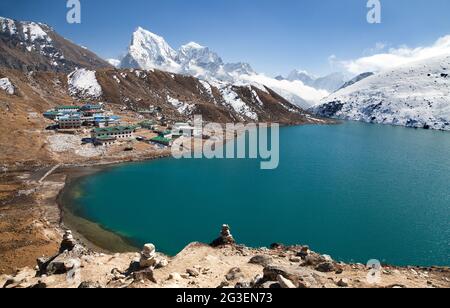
{"x": 396, "y": 56}
{"x": 287, "y": 88}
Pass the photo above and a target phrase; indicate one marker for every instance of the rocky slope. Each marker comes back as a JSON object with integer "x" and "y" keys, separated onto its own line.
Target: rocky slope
{"x": 413, "y": 95}
{"x": 126, "y": 92}
{"x": 225, "y": 266}
{"x": 30, "y": 46}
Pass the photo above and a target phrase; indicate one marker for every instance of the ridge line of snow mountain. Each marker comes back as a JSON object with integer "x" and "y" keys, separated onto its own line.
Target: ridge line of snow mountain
{"x": 413, "y": 95}
{"x": 34, "y": 52}
{"x": 148, "y": 50}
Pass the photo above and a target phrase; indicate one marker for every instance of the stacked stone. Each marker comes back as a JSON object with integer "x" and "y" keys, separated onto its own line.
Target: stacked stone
{"x": 68, "y": 243}
{"x": 148, "y": 256}
{"x": 225, "y": 237}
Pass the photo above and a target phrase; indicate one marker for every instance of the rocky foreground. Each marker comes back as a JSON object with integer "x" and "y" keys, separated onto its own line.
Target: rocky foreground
{"x": 223, "y": 264}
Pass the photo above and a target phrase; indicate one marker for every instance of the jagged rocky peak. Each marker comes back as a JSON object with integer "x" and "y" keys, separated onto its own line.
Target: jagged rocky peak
{"x": 149, "y": 50}
{"x": 194, "y": 52}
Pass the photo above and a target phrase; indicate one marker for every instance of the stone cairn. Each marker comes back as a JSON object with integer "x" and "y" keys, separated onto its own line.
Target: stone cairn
{"x": 68, "y": 243}
{"x": 148, "y": 256}
{"x": 225, "y": 237}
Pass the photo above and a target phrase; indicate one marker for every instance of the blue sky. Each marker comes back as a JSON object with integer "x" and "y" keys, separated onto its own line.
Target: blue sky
{"x": 275, "y": 36}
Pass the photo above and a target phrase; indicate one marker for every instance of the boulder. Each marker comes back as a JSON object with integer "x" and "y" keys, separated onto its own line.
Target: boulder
{"x": 262, "y": 260}
{"x": 192, "y": 272}
{"x": 314, "y": 260}
{"x": 146, "y": 274}
{"x": 285, "y": 283}
{"x": 325, "y": 267}
{"x": 234, "y": 274}
{"x": 89, "y": 285}
{"x": 272, "y": 272}
{"x": 271, "y": 285}
{"x": 343, "y": 283}
{"x": 304, "y": 251}
{"x": 62, "y": 264}
{"x": 175, "y": 276}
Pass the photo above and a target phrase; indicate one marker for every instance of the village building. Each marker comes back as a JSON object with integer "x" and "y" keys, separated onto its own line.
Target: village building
{"x": 104, "y": 141}
{"x": 53, "y": 115}
{"x": 148, "y": 124}
{"x": 67, "y": 109}
{"x": 118, "y": 132}
{"x": 70, "y": 121}
{"x": 184, "y": 130}
{"x": 162, "y": 140}
{"x": 91, "y": 110}
{"x": 102, "y": 120}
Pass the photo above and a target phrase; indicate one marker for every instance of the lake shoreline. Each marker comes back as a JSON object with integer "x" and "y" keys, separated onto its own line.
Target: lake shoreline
{"x": 347, "y": 256}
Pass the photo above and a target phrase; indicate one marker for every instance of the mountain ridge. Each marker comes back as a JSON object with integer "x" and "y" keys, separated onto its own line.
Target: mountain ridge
{"x": 414, "y": 95}
{"x": 27, "y": 46}
{"x": 203, "y": 63}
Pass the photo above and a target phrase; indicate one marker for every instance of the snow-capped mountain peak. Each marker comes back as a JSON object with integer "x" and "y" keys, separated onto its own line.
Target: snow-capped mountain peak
{"x": 149, "y": 50}
{"x": 330, "y": 83}
{"x": 196, "y": 54}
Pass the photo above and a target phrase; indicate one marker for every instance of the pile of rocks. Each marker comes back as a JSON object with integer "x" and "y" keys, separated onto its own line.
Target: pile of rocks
{"x": 225, "y": 238}
{"x": 68, "y": 243}
{"x": 149, "y": 258}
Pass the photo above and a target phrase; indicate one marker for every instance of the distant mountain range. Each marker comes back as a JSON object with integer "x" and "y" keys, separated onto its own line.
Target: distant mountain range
{"x": 40, "y": 68}
{"x": 330, "y": 83}
{"x": 413, "y": 95}
{"x": 151, "y": 51}
{"x": 196, "y": 79}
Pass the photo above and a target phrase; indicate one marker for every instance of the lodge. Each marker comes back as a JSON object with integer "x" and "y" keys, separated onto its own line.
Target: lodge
{"x": 91, "y": 110}
{"x": 70, "y": 121}
{"x": 162, "y": 140}
{"x": 120, "y": 132}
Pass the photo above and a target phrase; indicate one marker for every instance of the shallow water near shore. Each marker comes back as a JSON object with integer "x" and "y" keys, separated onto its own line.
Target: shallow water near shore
{"x": 355, "y": 191}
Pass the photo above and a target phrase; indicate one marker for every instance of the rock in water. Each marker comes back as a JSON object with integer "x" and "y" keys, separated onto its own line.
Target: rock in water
{"x": 225, "y": 238}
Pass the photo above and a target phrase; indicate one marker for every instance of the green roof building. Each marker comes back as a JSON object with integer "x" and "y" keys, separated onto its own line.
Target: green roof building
{"x": 119, "y": 132}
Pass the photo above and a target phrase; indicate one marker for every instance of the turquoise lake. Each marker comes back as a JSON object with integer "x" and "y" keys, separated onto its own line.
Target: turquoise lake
{"x": 354, "y": 191}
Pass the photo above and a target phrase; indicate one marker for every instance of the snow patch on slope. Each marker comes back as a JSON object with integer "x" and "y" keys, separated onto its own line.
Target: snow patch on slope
{"x": 234, "y": 101}
{"x": 7, "y": 86}
{"x": 182, "y": 107}
{"x": 8, "y": 26}
{"x": 413, "y": 95}
{"x": 84, "y": 84}
{"x": 33, "y": 31}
